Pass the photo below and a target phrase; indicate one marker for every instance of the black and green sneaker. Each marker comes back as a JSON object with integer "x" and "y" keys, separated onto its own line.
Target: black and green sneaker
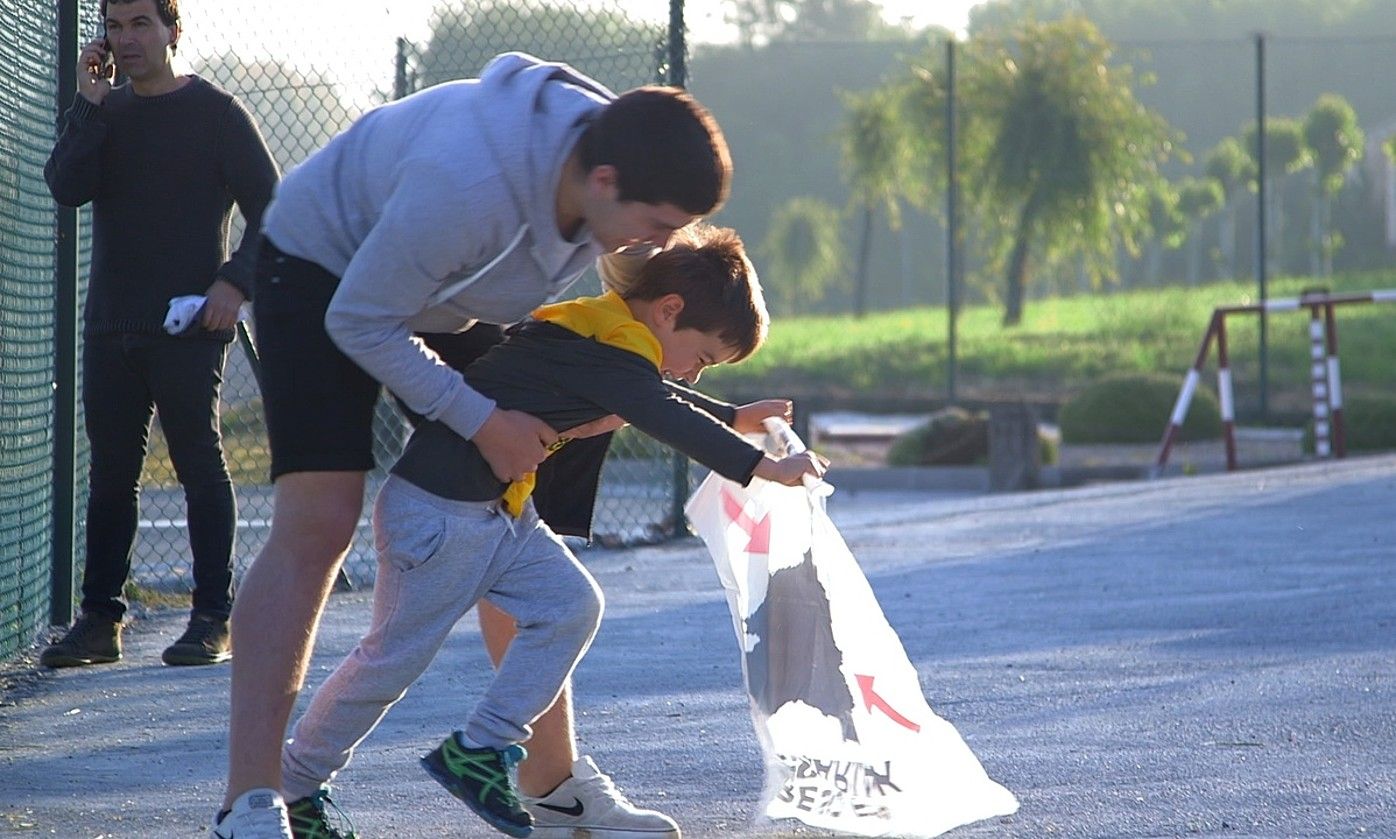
{"x": 310, "y": 818}
{"x": 480, "y": 778}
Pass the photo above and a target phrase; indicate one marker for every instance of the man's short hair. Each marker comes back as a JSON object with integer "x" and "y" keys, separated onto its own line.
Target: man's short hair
{"x": 708, "y": 267}
{"x": 168, "y": 10}
{"x": 666, "y": 147}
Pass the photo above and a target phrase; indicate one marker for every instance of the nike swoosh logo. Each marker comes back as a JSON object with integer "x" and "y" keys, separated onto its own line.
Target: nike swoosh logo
{"x": 573, "y": 811}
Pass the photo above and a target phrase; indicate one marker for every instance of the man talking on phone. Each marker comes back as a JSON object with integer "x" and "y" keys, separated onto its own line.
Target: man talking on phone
{"x": 162, "y": 158}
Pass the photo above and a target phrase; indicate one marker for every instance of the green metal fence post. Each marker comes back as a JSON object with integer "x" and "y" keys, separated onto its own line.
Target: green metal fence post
{"x": 1262, "y": 196}
{"x": 952, "y": 227}
{"x": 678, "y": 47}
{"x": 65, "y": 368}
{"x": 400, "y": 70}
{"x": 678, "y": 75}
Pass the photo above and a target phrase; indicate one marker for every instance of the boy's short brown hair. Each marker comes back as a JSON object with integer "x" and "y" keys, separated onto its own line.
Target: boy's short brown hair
{"x": 708, "y": 267}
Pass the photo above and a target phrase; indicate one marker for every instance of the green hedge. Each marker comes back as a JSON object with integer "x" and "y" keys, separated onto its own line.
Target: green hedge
{"x": 1369, "y": 424}
{"x": 1134, "y": 408}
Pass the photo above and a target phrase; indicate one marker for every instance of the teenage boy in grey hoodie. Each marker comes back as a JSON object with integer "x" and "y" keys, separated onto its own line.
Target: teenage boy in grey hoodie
{"x": 471, "y": 200}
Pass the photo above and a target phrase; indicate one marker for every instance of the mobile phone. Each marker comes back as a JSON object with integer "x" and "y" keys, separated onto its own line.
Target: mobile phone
{"x": 105, "y": 67}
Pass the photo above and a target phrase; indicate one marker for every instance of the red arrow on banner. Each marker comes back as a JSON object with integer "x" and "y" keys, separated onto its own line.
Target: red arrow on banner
{"x": 872, "y": 700}
{"x": 759, "y": 531}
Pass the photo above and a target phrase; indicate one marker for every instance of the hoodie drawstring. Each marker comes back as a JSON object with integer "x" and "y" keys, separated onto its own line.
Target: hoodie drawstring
{"x": 457, "y": 287}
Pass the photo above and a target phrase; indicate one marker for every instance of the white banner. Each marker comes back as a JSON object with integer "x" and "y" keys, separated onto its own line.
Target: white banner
{"x": 849, "y": 741}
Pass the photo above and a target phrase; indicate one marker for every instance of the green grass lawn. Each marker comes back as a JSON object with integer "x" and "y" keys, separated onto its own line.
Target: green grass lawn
{"x": 1064, "y": 343}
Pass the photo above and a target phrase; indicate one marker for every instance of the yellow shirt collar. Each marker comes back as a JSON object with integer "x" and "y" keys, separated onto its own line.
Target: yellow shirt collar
{"x": 606, "y": 319}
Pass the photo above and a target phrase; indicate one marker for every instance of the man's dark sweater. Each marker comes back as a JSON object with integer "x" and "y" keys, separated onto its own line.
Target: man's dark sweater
{"x": 162, "y": 173}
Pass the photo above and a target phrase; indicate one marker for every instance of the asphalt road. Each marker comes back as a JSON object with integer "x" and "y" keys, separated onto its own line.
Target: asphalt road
{"x": 1205, "y": 656}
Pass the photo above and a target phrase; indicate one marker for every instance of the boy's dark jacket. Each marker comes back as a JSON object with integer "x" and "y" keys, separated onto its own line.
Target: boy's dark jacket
{"x": 566, "y": 379}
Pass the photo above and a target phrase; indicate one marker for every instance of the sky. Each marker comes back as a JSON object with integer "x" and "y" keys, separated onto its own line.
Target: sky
{"x": 408, "y": 17}
{"x": 952, "y": 14}
{"x": 354, "y": 43}
{"x": 704, "y": 17}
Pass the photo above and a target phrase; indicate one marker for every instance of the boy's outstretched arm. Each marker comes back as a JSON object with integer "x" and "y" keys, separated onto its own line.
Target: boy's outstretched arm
{"x": 792, "y": 470}
{"x": 744, "y": 419}
{"x": 749, "y": 416}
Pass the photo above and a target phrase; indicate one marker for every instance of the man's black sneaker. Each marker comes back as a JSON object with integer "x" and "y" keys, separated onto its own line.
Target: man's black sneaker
{"x": 93, "y": 639}
{"x": 310, "y": 818}
{"x": 480, "y": 778}
{"x": 205, "y": 641}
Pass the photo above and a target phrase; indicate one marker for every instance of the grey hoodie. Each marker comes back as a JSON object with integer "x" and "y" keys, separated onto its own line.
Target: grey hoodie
{"x": 438, "y": 210}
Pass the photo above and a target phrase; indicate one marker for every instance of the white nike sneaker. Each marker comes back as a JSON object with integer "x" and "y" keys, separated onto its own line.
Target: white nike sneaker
{"x": 256, "y": 814}
{"x": 588, "y": 801}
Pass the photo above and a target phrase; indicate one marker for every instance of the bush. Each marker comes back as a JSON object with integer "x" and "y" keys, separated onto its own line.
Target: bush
{"x": 954, "y": 437}
{"x": 1134, "y": 408}
{"x": 951, "y": 437}
{"x": 1369, "y": 424}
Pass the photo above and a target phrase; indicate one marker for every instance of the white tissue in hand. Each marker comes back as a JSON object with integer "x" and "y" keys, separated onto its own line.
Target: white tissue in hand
{"x": 183, "y": 312}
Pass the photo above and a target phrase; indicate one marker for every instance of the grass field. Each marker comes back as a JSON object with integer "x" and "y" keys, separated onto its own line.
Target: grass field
{"x": 1064, "y": 343}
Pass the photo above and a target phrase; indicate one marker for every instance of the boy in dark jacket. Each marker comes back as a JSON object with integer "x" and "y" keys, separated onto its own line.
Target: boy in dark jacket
{"x": 449, "y": 533}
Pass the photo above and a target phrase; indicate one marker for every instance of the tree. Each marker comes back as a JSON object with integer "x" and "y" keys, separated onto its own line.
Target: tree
{"x": 874, "y": 161}
{"x": 1152, "y": 20}
{"x": 1167, "y": 226}
{"x": 1334, "y": 140}
{"x": 918, "y": 98}
{"x": 804, "y": 253}
{"x": 1198, "y": 199}
{"x": 1231, "y": 166}
{"x": 1285, "y": 154}
{"x": 606, "y": 44}
{"x": 1066, "y": 144}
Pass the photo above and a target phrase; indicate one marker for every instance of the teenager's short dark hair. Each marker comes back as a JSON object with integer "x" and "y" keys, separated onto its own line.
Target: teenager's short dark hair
{"x": 666, "y": 147}
{"x": 168, "y": 10}
{"x": 708, "y": 267}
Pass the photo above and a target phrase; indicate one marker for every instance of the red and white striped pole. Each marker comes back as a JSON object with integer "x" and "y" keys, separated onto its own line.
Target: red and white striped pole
{"x": 1318, "y": 379}
{"x": 1180, "y": 406}
{"x": 1324, "y": 350}
{"x": 1225, "y": 396}
{"x": 1335, "y": 383}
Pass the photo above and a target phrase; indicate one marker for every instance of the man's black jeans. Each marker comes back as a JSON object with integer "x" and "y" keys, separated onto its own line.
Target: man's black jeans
{"x": 125, "y": 378}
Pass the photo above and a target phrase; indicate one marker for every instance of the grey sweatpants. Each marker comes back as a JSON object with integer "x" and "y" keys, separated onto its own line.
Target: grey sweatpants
{"x": 436, "y": 558}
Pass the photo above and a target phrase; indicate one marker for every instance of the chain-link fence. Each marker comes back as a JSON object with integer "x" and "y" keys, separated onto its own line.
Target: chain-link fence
{"x": 26, "y": 316}
{"x": 305, "y": 75}
{"x": 784, "y": 109}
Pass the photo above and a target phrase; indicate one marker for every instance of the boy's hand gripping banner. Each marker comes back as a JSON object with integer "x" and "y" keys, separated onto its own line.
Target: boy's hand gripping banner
{"x": 849, "y": 741}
